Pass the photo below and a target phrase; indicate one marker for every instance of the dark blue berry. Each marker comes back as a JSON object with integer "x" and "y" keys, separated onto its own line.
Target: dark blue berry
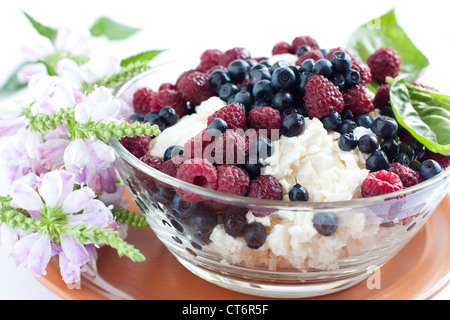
{"x": 302, "y": 50}
{"x": 347, "y": 126}
{"x": 173, "y": 151}
{"x": 283, "y": 78}
{"x": 385, "y": 127}
{"x": 298, "y": 193}
{"x": 234, "y": 224}
{"x": 169, "y": 115}
{"x": 377, "y": 161}
{"x": 407, "y": 149}
{"x": 282, "y": 100}
{"x": 238, "y": 70}
{"x": 347, "y": 142}
{"x": 151, "y": 116}
{"x": 261, "y": 148}
{"x": 263, "y": 90}
{"x": 430, "y": 168}
{"x": 323, "y": 67}
{"x": 364, "y": 120}
{"x": 326, "y": 223}
{"x": 339, "y": 80}
{"x": 402, "y": 158}
{"x": 201, "y": 224}
{"x": 182, "y": 209}
{"x": 279, "y": 64}
{"x": 246, "y": 87}
{"x": 244, "y": 98}
{"x": 136, "y": 117}
{"x": 259, "y": 72}
{"x": 227, "y": 90}
{"x": 390, "y": 147}
{"x": 415, "y": 165}
{"x": 217, "y": 125}
{"x": 368, "y": 143}
{"x": 255, "y": 235}
{"x": 301, "y": 83}
{"x": 387, "y": 111}
{"x": 292, "y": 125}
{"x": 307, "y": 66}
{"x": 218, "y": 78}
{"x": 253, "y": 167}
{"x": 352, "y": 78}
{"x": 347, "y": 114}
{"x": 332, "y": 121}
{"x": 419, "y": 149}
{"x": 341, "y": 61}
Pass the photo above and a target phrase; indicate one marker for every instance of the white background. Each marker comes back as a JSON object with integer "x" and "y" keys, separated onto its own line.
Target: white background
{"x": 193, "y": 26}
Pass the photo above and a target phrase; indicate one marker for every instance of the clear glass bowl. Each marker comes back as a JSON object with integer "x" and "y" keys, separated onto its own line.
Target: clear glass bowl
{"x": 295, "y": 261}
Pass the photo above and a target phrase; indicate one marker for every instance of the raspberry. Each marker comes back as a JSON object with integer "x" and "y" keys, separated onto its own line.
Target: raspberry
{"x": 444, "y": 161}
{"x": 210, "y": 70}
{"x": 195, "y": 88}
{"x": 314, "y": 54}
{"x": 233, "y": 180}
{"x": 233, "y": 114}
{"x": 304, "y": 40}
{"x": 357, "y": 100}
{"x": 233, "y": 54}
{"x": 385, "y": 62}
{"x": 169, "y": 97}
{"x": 152, "y": 161}
{"x": 266, "y": 118}
{"x": 167, "y": 85}
{"x": 136, "y": 145}
{"x": 141, "y": 100}
{"x": 322, "y": 97}
{"x": 408, "y": 176}
{"x": 380, "y": 182}
{"x": 195, "y": 147}
{"x": 282, "y": 47}
{"x": 184, "y": 74}
{"x": 171, "y": 166}
{"x": 364, "y": 72}
{"x": 265, "y": 187}
{"x": 230, "y": 148}
{"x": 209, "y": 59}
{"x": 199, "y": 172}
{"x": 382, "y": 98}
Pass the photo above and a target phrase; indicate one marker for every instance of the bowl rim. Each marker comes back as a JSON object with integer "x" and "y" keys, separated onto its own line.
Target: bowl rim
{"x": 124, "y": 154}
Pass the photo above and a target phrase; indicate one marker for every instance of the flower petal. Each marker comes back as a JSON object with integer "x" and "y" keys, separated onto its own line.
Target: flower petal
{"x": 25, "y": 197}
{"x": 82, "y": 112}
{"x": 78, "y": 200}
{"x": 39, "y": 256}
{"x": 51, "y": 188}
{"x": 75, "y": 153}
{"x": 74, "y": 251}
{"x": 69, "y": 272}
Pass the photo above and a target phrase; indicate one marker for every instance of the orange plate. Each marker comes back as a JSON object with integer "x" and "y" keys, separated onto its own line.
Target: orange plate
{"x": 419, "y": 271}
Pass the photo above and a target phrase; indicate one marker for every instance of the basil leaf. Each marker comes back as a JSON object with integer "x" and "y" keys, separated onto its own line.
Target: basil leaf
{"x": 45, "y": 31}
{"x": 424, "y": 113}
{"x": 111, "y": 29}
{"x": 141, "y": 57}
{"x": 385, "y": 32}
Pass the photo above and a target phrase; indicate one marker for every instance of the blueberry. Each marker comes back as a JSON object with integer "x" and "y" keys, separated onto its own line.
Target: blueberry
{"x": 282, "y": 100}
{"x": 390, "y": 147}
{"x": 169, "y": 115}
{"x": 173, "y": 151}
{"x": 255, "y": 235}
{"x": 385, "y": 127}
{"x": 259, "y": 72}
{"x": 402, "y": 158}
{"x": 301, "y": 83}
{"x": 332, "y": 121}
{"x": 136, "y": 117}
{"x": 429, "y": 168}
{"x": 227, "y": 90}
{"x": 323, "y": 67}
{"x": 298, "y": 193}
{"x": 283, "y": 78}
{"x": 377, "y": 161}
{"x": 339, "y": 80}
{"x": 253, "y": 167}
{"x": 387, "y": 111}
{"x": 251, "y": 62}
{"x": 368, "y": 143}
{"x": 246, "y": 87}
{"x": 415, "y": 165}
{"x": 261, "y": 148}
{"x": 292, "y": 125}
{"x": 151, "y": 116}
{"x": 244, "y": 98}
{"x": 218, "y": 78}
{"x": 347, "y": 114}
{"x": 279, "y": 64}
{"x": 419, "y": 149}
{"x": 302, "y": 50}
{"x": 217, "y": 125}
{"x": 347, "y": 126}
{"x": 288, "y": 111}
{"x": 234, "y": 224}
{"x": 307, "y": 66}
{"x": 182, "y": 209}
{"x": 364, "y": 120}
{"x": 347, "y": 142}
{"x": 341, "y": 61}
{"x": 352, "y": 78}
{"x": 260, "y": 103}
{"x": 407, "y": 150}
{"x": 263, "y": 90}
{"x": 238, "y": 70}
{"x": 326, "y": 223}
{"x": 201, "y": 224}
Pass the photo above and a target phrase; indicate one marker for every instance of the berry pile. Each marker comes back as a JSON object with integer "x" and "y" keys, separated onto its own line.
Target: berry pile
{"x": 265, "y": 101}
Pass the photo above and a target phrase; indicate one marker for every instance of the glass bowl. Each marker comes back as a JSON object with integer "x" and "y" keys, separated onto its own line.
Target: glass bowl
{"x": 295, "y": 260}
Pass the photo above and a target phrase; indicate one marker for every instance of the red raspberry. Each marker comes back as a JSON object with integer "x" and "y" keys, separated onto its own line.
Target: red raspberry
{"x": 264, "y": 118}
{"x": 385, "y": 62}
{"x": 195, "y": 147}
{"x": 304, "y": 40}
{"x": 382, "y": 98}
{"x": 364, "y": 72}
{"x": 282, "y": 47}
{"x": 167, "y": 85}
{"x": 152, "y": 161}
{"x": 233, "y": 114}
{"x": 169, "y": 97}
{"x": 136, "y": 145}
{"x": 199, "y": 172}
{"x": 184, "y": 74}
{"x": 265, "y": 187}
{"x": 444, "y": 161}
{"x": 233, "y": 180}
{"x": 230, "y": 148}
{"x": 322, "y": 97}
{"x": 209, "y": 59}
{"x": 380, "y": 182}
{"x": 233, "y": 54}
{"x": 171, "y": 166}
{"x": 314, "y": 54}
{"x": 210, "y": 70}
{"x": 357, "y": 100}
{"x": 141, "y": 100}
{"x": 408, "y": 176}
{"x": 195, "y": 88}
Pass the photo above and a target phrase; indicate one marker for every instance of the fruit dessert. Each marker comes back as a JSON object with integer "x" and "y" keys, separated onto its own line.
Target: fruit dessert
{"x": 301, "y": 126}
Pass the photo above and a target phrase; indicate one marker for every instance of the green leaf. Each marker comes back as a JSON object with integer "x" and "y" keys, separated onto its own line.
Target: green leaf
{"x": 13, "y": 84}
{"x": 45, "y": 31}
{"x": 385, "y": 32}
{"x": 112, "y": 30}
{"x": 425, "y": 114}
{"x": 146, "y": 56}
